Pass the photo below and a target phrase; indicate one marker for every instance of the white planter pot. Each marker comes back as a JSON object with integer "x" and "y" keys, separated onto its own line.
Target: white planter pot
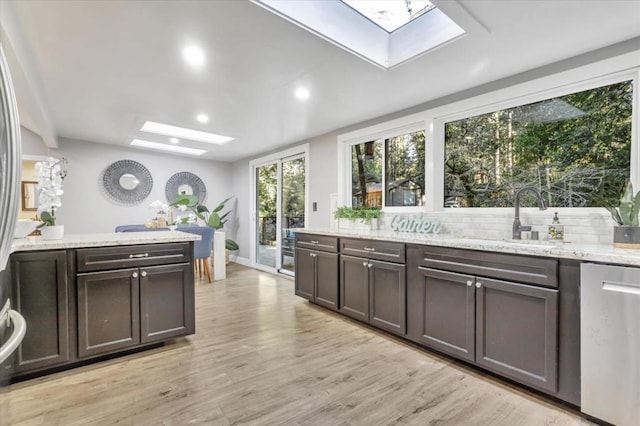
{"x": 52, "y": 232}
{"x": 358, "y": 224}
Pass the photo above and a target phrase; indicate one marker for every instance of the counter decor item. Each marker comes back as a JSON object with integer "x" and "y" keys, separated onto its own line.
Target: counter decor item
{"x": 627, "y": 233}
{"x": 51, "y": 175}
{"x": 358, "y": 218}
{"x": 556, "y": 230}
{"x": 160, "y": 219}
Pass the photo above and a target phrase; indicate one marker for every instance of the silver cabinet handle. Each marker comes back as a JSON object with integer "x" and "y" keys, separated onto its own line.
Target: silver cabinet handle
{"x": 478, "y": 285}
{"x": 135, "y": 256}
{"x": 310, "y": 254}
{"x": 143, "y": 273}
{"x": 135, "y": 275}
{"x": 369, "y": 249}
{"x": 314, "y": 242}
{"x": 469, "y": 283}
{"x": 365, "y": 264}
{"x": 369, "y": 265}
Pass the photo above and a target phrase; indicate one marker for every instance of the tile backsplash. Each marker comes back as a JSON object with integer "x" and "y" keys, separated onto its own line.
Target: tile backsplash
{"x": 587, "y": 226}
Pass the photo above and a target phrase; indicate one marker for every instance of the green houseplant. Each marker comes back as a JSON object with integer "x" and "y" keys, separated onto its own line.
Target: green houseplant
{"x": 210, "y": 218}
{"x": 357, "y": 217}
{"x": 627, "y": 233}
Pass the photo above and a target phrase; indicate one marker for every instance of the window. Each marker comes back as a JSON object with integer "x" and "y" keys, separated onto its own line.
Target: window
{"x": 390, "y": 15}
{"x": 403, "y": 158}
{"x": 575, "y": 148}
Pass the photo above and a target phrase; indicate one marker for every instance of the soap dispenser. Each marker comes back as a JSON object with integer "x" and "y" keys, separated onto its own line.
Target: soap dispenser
{"x": 556, "y": 230}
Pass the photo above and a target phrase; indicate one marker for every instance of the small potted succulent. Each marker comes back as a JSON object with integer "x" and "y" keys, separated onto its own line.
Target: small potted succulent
{"x": 364, "y": 218}
{"x": 50, "y": 178}
{"x": 627, "y": 233}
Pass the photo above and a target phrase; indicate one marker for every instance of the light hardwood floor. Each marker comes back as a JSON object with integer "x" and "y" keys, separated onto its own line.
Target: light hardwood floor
{"x": 263, "y": 356}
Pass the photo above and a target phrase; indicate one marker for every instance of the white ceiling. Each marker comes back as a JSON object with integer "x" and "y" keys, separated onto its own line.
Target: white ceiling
{"x": 100, "y": 68}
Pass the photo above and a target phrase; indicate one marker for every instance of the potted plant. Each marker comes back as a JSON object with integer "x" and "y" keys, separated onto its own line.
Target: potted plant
{"x": 358, "y": 217}
{"x": 627, "y": 233}
{"x": 210, "y": 218}
{"x": 50, "y": 178}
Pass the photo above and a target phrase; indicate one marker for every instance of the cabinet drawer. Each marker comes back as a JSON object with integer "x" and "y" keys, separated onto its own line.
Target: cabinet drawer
{"x": 525, "y": 269}
{"x": 379, "y": 250}
{"x": 317, "y": 242}
{"x": 118, "y": 257}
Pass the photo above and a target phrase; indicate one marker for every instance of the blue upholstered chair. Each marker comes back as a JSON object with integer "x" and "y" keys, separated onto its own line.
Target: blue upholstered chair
{"x": 201, "y": 248}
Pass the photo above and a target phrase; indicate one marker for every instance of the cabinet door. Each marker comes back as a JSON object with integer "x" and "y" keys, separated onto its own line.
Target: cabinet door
{"x": 166, "y": 302}
{"x": 354, "y": 287}
{"x": 108, "y": 311}
{"x": 446, "y": 311}
{"x": 326, "y": 280}
{"x": 387, "y": 303}
{"x": 305, "y": 274}
{"x": 40, "y": 293}
{"x": 517, "y": 331}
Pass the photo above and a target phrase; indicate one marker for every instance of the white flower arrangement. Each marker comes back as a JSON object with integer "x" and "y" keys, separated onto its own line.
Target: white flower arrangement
{"x": 50, "y": 178}
{"x": 160, "y": 207}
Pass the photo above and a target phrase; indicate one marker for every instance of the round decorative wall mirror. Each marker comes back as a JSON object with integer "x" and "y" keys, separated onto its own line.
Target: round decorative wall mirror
{"x": 185, "y": 183}
{"x": 127, "y": 182}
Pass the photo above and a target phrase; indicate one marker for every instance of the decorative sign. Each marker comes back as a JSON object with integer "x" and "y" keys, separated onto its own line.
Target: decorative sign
{"x": 415, "y": 223}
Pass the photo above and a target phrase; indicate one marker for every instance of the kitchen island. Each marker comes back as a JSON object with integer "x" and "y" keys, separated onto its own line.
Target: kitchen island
{"x": 90, "y": 296}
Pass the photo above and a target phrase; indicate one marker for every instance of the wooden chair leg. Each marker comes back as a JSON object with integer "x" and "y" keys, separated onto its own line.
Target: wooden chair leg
{"x": 207, "y": 269}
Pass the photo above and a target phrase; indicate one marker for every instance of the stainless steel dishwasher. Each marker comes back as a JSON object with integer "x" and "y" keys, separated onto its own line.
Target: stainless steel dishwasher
{"x": 610, "y": 343}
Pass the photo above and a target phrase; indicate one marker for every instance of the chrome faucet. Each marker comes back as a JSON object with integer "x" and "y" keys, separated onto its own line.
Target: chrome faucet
{"x": 517, "y": 227}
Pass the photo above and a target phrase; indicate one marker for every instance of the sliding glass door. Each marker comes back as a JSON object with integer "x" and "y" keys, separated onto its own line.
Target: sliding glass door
{"x": 292, "y": 202}
{"x": 267, "y": 203}
{"x": 280, "y": 209}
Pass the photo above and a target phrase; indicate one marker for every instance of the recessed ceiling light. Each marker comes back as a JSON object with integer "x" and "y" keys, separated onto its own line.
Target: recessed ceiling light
{"x": 174, "y": 140}
{"x": 184, "y": 133}
{"x": 170, "y": 148}
{"x": 193, "y": 55}
{"x": 202, "y": 118}
{"x": 302, "y": 93}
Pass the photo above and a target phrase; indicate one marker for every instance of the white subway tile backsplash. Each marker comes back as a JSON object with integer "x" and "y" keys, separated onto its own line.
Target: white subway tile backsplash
{"x": 589, "y": 226}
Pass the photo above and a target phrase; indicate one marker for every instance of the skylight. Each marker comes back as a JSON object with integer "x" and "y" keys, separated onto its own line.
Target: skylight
{"x": 184, "y": 133}
{"x": 390, "y": 14}
{"x": 383, "y": 32}
{"x": 171, "y": 148}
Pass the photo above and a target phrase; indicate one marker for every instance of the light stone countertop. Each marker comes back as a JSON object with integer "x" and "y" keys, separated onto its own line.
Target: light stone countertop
{"x": 101, "y": 240}
{"x": 605, "y": 253}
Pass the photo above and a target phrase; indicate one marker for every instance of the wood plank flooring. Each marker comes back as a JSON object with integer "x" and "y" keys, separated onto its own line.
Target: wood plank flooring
{"x": 263, "y": 356}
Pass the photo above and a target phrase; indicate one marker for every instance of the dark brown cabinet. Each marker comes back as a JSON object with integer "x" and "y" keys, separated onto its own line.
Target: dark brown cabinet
{"x": 508, "y": 327}
{"x": 108, "y": 311}
{"x": 371, "y": 290}
{"x": 316, "y": 269}
{"x": 40, "y": 292}
{"x": 354, "y": 287}
{"x": 166, "y": 302}
{"x": 446, "y": 313}
{"x": 123, "y": 308}
{"x": 517, "y": 331}
{"x": 88, "y": 302}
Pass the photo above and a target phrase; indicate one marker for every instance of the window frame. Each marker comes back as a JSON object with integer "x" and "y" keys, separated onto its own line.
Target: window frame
{"x": 401, "y": 126}
{"x": 609, "y": 71}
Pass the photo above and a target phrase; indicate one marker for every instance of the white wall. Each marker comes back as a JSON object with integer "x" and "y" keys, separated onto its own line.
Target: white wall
{"x": 85, "y": 206}
{"x": 240, "y": 187}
